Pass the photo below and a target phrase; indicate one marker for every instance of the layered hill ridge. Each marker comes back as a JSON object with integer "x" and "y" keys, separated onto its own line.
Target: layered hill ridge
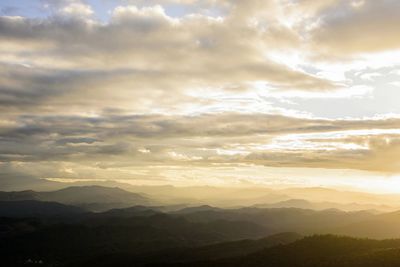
{"x": 126, "y": 229}
{"x": 274, "y": 218}
{"x": 96, "y": 198}
{"x": 306, "y": 204}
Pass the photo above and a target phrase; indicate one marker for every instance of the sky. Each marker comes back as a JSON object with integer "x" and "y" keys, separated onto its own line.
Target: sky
{"x": 212, "y": 92}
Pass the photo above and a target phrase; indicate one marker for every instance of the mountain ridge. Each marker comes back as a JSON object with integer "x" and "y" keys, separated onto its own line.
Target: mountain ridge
{"x": 95, "y": 198}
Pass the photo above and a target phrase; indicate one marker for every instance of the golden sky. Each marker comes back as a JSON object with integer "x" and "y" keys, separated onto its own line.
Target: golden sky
{"x": 212, "y": 92}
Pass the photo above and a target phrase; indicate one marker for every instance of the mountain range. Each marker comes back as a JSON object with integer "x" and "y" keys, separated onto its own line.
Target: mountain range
{"x": 101, "y": 226}
{"x": 94, "y": 198}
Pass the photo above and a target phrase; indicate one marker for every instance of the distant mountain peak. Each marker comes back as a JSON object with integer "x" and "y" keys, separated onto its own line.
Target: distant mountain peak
{"x": 92, "y": 197}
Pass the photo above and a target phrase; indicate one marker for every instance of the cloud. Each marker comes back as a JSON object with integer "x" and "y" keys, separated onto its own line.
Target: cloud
{"x": 356, "y": 27}
{"x": 142, "y": 54}
{"x": 76, "y": 9}
{"x": 379, "y": 155}
{"x": 218, "y": 51}
{"x": 197, "y": 83}
{"x": 271, "y": 140}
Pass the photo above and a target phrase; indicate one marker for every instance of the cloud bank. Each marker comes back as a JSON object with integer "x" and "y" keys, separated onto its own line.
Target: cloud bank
{"x": 91, "y": 90}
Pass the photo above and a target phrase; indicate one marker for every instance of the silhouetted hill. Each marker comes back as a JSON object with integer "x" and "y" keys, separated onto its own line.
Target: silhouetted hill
{"x": 231, "y": 249}
{"x": 262, "y": 197}
{"x": 96, "y": 198}
{"x": 315, "y": 251}
{"x": 132, "y": 211}
{"x": 305, "y": 204}
{"x": 211, "y": 252}
{"x": 291, "y": 203}
{"x": 198, "y": 236}
{"x": 380, "y": 226}
{"x": 284, "y": 219}
{"x": 143, "y": 210}
{"x": 94, "y": 235}
{"x": 197, "y": 209}
{"x": 20, "y": 195}
{"x": 33, "y": 208}
{"x": 228, "y": 249}
{"x": 92, "y": 194}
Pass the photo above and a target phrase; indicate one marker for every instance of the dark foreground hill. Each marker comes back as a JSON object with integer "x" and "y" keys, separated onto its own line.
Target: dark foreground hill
{"x": 224, "y": 250}
{"x": 314, "y": 251}
{"x": 72, "y": 240}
